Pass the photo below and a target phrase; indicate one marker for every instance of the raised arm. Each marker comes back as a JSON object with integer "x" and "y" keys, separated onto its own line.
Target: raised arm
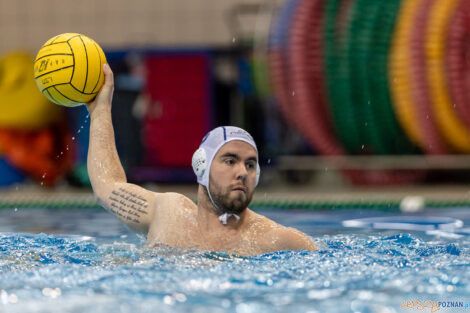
{"x": 132, "y": 204}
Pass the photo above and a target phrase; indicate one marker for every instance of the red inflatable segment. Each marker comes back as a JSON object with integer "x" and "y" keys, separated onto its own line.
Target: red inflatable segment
{"x": 277, "y": 54}
{"x": 310, "y": 111}
{"x": 433, "y": 143}
{"x": 280, "y": 84}
{"x": 458, "y": 61}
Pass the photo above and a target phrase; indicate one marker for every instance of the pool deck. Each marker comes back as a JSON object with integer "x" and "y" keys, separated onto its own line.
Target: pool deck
{"x": 276, "y": 193}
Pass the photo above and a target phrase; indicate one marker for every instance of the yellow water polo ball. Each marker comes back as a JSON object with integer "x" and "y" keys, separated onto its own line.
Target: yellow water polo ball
{"x": 68, "y": 69}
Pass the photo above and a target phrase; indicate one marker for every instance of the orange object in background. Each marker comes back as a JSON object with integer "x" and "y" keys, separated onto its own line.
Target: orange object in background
{"x": 44, "y": 155}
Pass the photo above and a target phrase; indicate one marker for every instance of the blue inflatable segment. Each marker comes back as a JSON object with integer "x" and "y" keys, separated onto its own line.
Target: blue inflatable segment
{"x": 8, "y": 174}
{"x": 279, "y": 34}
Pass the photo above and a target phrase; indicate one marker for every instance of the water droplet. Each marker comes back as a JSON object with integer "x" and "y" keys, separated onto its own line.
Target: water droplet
{"x": 42, "y": 183}
{"x": 269, "y": 161}
{"x": 44, "y": 175}
{"x": 179, "y": 297}
{"x": 168, "y": 300}
{"x": 16, "y": 209}
{"x": 233, "y": 39}
{"x": 73, "y": 138}
{"x": 53, "y": 293}
{"x": 78, "y": 131}
{"x": 293, "y": 93}
{"x": 362, "y": 147}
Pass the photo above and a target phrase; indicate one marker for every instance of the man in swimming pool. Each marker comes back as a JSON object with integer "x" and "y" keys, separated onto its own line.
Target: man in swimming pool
{"x": 226, "y": 166}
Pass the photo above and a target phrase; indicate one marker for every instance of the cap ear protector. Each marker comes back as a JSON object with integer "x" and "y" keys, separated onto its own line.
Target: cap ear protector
{"x": 199, "y": 163}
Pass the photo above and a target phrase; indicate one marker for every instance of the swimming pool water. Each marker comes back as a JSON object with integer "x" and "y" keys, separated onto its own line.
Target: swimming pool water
{"x": 87, "y": 261}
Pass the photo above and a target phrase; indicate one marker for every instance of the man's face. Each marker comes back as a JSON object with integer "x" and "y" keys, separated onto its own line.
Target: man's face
{"x": 233, "y": 176}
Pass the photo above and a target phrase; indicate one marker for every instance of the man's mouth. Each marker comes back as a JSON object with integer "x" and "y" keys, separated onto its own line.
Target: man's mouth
{"x": 240, "y": 189}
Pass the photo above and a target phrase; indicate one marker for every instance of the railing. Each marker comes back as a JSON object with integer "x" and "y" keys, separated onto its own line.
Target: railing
{"x": 401, "y": 162}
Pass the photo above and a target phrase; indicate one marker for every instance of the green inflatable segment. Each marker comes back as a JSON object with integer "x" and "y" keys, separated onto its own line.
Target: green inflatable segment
{"x": 395, "y": 140}
{"x": 337, "y": 72}
{"x": 358, "y": 53}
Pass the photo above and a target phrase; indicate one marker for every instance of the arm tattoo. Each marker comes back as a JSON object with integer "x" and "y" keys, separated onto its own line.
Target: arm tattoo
{"x": 127, "y": 205}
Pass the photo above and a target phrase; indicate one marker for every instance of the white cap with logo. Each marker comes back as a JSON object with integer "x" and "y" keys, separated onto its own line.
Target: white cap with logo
{"x": 211, "y": 144}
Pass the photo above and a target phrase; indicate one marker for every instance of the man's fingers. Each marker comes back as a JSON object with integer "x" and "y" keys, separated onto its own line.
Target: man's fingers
{"x": 108, "y": 76}
{"x": 105, "y": 95}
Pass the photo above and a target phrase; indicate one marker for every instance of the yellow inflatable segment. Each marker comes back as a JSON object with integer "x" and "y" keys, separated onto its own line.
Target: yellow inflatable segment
{"x": 452, "y": 128}
{"x": 22, "y": 106}
{"x": 400, "y": 72}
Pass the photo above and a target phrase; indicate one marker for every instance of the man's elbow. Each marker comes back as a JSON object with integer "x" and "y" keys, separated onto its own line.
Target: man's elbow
{"x": 98, "y": 199}
{"x": 102, "y": 195}
{"x": 99, "y": 195}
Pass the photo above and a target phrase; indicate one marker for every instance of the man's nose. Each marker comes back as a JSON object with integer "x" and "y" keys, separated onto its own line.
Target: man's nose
{"x": 242, "y": 172}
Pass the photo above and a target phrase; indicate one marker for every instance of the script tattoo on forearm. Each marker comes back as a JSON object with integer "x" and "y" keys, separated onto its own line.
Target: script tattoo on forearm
{"x": 127, "y": 206}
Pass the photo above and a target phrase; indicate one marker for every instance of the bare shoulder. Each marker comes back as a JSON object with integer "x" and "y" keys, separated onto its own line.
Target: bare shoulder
{"x": 174, "y": 203}
{"x": 282, "y": 237}
{"x": 294, "y": 239}
{"x": 174, "y": 197}
{"x": 172, "y": 206}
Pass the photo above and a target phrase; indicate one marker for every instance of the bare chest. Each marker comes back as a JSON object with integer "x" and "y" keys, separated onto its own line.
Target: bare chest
{"x": 181, "y": 233}
{"x": 188, "y": 234}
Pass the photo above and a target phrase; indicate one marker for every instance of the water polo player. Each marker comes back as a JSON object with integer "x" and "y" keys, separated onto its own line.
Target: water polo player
{"x": 227, "y": 170}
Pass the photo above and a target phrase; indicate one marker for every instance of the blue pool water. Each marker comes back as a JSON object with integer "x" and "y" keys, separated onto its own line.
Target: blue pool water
{"x": 87, "y": 261}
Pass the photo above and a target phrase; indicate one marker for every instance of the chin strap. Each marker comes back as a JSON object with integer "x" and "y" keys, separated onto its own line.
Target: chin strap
{"x": 224, "y": 217}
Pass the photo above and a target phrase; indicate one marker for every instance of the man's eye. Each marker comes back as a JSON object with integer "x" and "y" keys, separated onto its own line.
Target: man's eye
{"x": 229, "y": 162}
{"x": 250, "y": 165}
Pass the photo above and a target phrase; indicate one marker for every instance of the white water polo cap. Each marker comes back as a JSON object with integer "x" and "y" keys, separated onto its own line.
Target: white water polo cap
{"x": 211, "y": 144}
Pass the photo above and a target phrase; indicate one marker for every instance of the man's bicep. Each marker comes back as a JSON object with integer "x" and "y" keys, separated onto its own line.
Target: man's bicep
{"x": 132, "y": 204}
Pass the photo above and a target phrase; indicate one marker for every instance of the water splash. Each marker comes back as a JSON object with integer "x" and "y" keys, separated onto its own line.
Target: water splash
{"x": 346, "y": 267}
{"x": 366, "y": 270}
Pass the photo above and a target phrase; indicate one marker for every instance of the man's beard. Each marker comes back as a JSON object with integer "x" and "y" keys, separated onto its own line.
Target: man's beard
{"x": 224, "y": 204}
